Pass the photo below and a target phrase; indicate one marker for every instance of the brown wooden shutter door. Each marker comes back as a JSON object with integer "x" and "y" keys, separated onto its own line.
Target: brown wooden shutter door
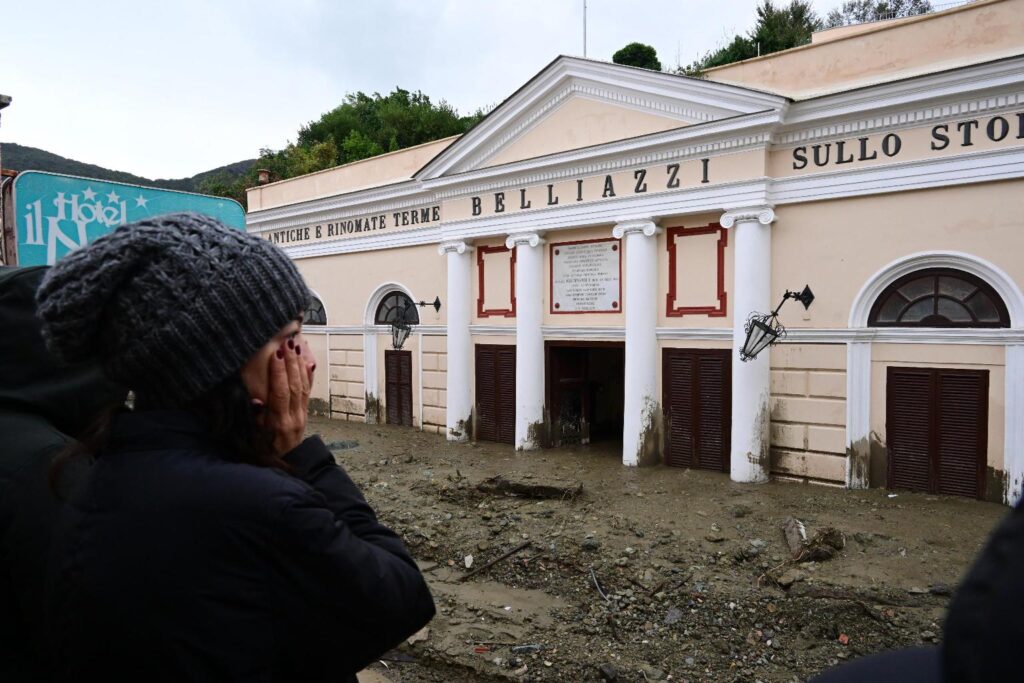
{"x": 391, "y": 388}
{"x": 937, "y": 429}
{"x": 486, "y": 396}
{"x": 715, "y": 407}
{"x": 962, "y": 431}
{"x": 908, "y": 427}
{"x": 405, "y": 375}
{"x": 678, "y": 377}
{"x": 398, "y": 387}
{"x": 495, "y": 393}
{"x": 698, "y": 408}
{"x": 506, "y": 399}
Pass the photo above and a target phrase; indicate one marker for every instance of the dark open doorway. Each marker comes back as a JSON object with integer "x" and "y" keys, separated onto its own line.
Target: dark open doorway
{"x": 586, "y": 385}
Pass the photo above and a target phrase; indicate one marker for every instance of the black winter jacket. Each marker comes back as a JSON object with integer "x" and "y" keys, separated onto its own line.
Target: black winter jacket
{"x": 177, "y": 564}
{"x": 42, "y": 402}
{"x": 984, "y": 633}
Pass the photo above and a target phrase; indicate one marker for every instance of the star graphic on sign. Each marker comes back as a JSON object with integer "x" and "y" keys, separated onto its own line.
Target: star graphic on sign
{"x": 140, "y": 201}
{"x": 114, "y": 199}
{"x": 89, "y": 194}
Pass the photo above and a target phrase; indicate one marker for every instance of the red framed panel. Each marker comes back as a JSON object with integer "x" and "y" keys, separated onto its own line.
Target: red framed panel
{"x": 673, "y": 311}
{"x": 482, "y": 312}
{"x": 617, "y": 304}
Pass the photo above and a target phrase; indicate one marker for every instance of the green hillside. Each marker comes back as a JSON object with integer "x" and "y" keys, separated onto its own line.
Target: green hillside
{"x": 22, "y": 158}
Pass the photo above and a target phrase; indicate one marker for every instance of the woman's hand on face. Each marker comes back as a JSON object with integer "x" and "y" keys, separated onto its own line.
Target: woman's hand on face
{"x": 290, "y": 379}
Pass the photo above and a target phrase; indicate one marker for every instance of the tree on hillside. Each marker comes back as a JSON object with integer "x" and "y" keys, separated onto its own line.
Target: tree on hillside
{"x": 362, "y": 126}
{"x": 778, "y": 28}
{"x": 367, "y": 125}
{"x": 638, "y": 54}
{"x": 860, "y": 11}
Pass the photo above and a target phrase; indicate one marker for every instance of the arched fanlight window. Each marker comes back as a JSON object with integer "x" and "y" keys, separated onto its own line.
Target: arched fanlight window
{"x": 397, "y": 307}
{"x": 315, "y": 314}
{"x": 939, "y": 297}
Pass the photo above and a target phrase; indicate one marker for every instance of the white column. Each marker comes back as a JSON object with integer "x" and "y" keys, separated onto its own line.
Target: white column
{"x": 529, "y": 338}
{"x": 459, "y": 348}
{"x": 640, "y": 407}
{"x": 371, "y": 382}
{"x": 858, "y": 414}
{"x": 1013, "y": 445}
{"x": 751, "y": 381}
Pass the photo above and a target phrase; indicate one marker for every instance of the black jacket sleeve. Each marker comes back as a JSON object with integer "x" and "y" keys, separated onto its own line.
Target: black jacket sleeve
{"x": 983, "y": 630}
{"x": 359, "y": 581}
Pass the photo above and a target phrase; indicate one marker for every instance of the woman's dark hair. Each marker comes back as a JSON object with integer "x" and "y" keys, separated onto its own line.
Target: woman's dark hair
{"x": 226, "y": 411}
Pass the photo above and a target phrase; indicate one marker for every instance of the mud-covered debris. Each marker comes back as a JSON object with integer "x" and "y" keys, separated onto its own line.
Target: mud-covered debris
{"x": 609, "y": 673}
{"x": 526, "y": 649}
{"x": 499, "y": 485}
{"x": 796, "y": 535}
{"x": 343, "y": 445}
{"x": 940, "y": 589}
{"x": 789, "y": 577}
{"x": 823, "y": 545}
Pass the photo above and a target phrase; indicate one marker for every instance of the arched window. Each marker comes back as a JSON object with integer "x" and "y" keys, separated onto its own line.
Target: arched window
{"x": 315, "y": 314}
{"x": 939, "y": 297}
{"x": 397, "y": 307}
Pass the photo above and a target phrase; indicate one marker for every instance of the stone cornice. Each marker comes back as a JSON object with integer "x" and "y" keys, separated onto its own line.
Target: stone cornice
{"x": 906, "y": 103}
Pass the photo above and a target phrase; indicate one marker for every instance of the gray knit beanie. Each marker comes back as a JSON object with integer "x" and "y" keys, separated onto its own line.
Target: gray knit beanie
{"x": 170, "y": 306}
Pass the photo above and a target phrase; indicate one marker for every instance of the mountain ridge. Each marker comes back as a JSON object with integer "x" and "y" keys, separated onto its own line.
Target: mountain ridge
{"x": 25, "y": 158}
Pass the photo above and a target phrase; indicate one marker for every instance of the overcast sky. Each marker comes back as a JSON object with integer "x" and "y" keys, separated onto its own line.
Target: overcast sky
{"x": 169, "y": 89}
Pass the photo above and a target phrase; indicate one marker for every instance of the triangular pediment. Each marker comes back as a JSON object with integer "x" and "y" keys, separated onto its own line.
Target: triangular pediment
{"x": 577, "y": 103}
{"x": 579, "y": 121}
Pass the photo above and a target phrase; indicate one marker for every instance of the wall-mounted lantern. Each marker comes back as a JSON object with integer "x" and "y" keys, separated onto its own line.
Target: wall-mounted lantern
{"x": 764, "y": 329}
{"x": 401, "y": 328}
{"x": 399, "y": 333}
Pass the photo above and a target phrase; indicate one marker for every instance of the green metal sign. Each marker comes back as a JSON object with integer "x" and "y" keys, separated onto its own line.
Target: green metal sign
{"x": 56, "y": 214}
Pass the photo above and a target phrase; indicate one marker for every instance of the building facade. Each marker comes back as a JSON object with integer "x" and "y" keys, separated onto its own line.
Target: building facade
{"x": 599, "y": 240}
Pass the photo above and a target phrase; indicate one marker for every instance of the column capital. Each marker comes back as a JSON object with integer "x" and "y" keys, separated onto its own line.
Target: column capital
{"x": 644, "y": 226}
{"x": 453, "y": 247}
{"x": 523, "y": 239}
{"x": 765, "y": 215}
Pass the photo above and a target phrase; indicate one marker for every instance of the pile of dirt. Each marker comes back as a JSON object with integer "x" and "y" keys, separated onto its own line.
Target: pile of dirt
{"x": 608, "y": 573}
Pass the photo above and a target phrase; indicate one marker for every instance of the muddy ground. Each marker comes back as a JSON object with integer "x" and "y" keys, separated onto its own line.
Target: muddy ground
{"x": 651, "y": 573}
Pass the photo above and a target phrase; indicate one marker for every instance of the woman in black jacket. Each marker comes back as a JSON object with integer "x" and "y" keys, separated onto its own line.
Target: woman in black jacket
{"x": 210, "y": 541}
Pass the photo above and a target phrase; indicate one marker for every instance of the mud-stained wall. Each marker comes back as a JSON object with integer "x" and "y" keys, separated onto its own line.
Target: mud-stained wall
{"x": 964, "y": 356}
{"x": 435, "y": 368}
{"x": 808, "y": 409}
{"x": 347, "y": 391}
